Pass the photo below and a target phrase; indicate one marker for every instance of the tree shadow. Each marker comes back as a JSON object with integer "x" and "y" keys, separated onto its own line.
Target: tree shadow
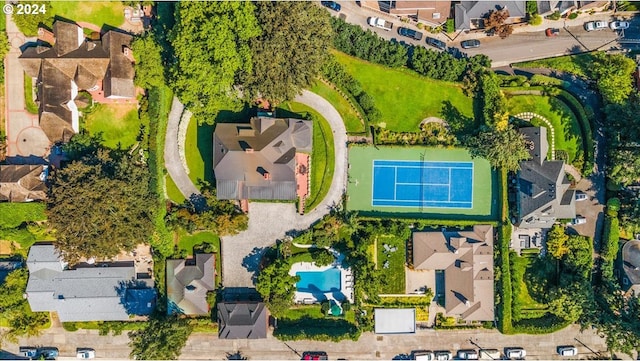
{"x": 136, "y": 297}
{"x": 251, "y": 262}
{"x": 459, "y": 124}
{"x": 204, "y": 139}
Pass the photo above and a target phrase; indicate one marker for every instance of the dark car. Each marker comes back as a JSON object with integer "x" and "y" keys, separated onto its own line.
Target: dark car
{"x": 551, "y": 32}
{"x": 410, "y": 33}
{"x": 331, "y": 5}
{"x": 436, "y": 43}
{"x": 470, "y": 44}
{"x": 48, "y": 353}
{"x": 315, "y": 355}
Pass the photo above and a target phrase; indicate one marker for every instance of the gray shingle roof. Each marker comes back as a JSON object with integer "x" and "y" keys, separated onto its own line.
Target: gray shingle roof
{"x": 87, "y": 293}
{"x": 245, "y": 153}
{"x": 188, "y": 284}
{"x": 242, "y": 320}
{"x": 465, "y": 11}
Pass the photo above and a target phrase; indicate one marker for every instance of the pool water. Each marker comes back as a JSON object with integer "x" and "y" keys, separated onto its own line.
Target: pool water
{"x": 315, "y": 281}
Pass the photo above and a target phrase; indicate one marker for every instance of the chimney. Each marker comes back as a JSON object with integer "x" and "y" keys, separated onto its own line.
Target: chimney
{"x": 126, "y": 51}
{"x": 266, "y": 175}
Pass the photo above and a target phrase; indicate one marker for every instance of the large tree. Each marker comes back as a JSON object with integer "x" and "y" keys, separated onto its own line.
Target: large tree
{"x": 502, "y": 148}
{"x": 557, "y": 242}
{"x": 276, "y": 286}
{"x": 295, "y": 41}
{"x": 613, "y": 74}
{"x": 100, "y": 205}
{"x": 211, "y": 44}
{"x": 161, "y": 339}
{"x": 149, "y": 65}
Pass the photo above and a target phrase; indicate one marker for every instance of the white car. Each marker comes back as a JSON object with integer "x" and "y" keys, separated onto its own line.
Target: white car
{"x": 567, "y": 350}
{"x": 581, "y": 196}
{"x": 442, "y": 355}
{"x": 619, "y": 25}
{"x": 85, "y": 353}
{"x": 467, "y": 355}
{"x": 595, "y": 25}
{"x": 515, "y": 353}
{"x": 578, "y": 220}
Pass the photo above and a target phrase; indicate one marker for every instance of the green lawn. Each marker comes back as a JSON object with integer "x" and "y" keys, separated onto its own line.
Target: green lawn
{"x": 359, "y": 189}
{"x": 29, "y": 104}
{"x": 565, "y": 123}
{"x": 393, "y": 277}
{"x": 199, "y": 151}
{"x": 14, "y": 214}
{"x": 576, "y": 64}
{"x": 342, "y": 105}
{"x": 404, "y": 97}
{"x": 119, "y": 124}
{"x": 173, "y": 192}
{"x": 524, "y": 306}
{"x": 323, "y": 156}
{"x": 96, "y": 12}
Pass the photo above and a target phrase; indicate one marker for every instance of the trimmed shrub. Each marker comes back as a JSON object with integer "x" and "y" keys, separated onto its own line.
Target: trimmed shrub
{"x": 573, "y": 16}
{"x": 613, "y": 204}
{"x": 450, "y": 26}
{"x": 555, "y": 16}
{"x": 538, "y": 79}
{"x": 535, "y": 20}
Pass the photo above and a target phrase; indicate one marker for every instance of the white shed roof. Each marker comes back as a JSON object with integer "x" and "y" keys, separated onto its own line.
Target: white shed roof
{"x": 395, "y": 320}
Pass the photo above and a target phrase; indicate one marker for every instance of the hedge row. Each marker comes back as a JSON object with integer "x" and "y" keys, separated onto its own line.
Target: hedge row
{"x": 317, "y": 330}
{"x": 542, "y": 325}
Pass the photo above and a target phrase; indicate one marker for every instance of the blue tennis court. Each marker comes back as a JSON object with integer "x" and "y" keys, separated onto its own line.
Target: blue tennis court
{"x": 398, "y": 183}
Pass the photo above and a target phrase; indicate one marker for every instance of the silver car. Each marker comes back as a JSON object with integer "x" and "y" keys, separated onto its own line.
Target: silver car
{"x": 595, "y": 25}
{"x": 619, "y": 25}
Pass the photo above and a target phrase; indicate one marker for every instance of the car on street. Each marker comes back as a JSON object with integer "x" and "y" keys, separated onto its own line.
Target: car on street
{"x": 410, "y": 33}
{"x": 515, "y": 353}
{"x": 436, "y": 43}
{"x": 467, "y": 355}
{"x": 551, "y": 32}
{"x": 578, "y": 220}
{"x": 314, "y": 355}
{"x": 470, "y": 44}
{"x": 30, "y": 352}
{"x": 619, "y": 25}
{"x": 442, "y": 355}
{"x": 567, "y": 350}
{"x": 380, "y": 23}
{"x": 85, "y": 353}
{"x": 331, "y": 5}
{"x": 48, "y": 353}
{"x": 581, "y": 196}
{"x": 489, "y": 354}
{"x": 595, "y": 25}
{"x": 424, "y": 355}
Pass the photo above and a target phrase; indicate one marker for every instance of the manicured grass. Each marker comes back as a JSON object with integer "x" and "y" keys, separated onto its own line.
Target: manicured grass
{"x": 564, "y": 122}
{"x": 29, "y": 103}
{"x": 404, "y": 97}
{"x": 199, "y": 151}
{"x": 96, "y": 12}
{"x": 576, "y": 64}
{"x": 524, "y": 306}
{"x": 359, "y": 189}
{"x": 119, "y": 124}
{"x": 173, "y": 192}
{"x": 14, "y": 214}
{"x": 323, "y": 156}
{"x": 342, "y": 105}
{"x": 393, "y": 276}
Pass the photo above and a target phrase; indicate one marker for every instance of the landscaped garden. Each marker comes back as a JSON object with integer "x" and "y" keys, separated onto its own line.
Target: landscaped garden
{"x": 390, "y": 261}
{"x": 404, "y": 97}
{"x": 524, "y": 306}
{"x": 567, "y": 135}
{"x": 119, "y": 124}
{"x": 575, "y": 64}
{"x": 349, "y": 115}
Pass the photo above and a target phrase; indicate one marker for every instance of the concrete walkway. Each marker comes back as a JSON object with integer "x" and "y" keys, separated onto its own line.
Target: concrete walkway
{"x": 172, "y": 160}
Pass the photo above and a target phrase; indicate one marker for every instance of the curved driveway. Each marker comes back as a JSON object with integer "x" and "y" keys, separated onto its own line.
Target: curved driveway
{"x": 268, "y": 222}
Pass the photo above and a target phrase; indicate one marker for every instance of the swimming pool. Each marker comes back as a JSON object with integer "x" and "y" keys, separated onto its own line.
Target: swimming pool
{"x": 316, "y": 281}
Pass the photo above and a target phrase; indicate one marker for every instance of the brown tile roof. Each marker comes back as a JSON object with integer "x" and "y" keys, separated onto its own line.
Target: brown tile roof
{"x": 466, "y": 257}
{"x": 22, "y": 183}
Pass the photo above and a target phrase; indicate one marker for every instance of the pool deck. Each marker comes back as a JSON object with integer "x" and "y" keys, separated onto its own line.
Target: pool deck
{"x": 346, "y": 281}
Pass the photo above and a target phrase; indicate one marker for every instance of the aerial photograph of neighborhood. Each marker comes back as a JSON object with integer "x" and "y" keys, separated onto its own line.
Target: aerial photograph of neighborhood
{"x": 320, "y": 180}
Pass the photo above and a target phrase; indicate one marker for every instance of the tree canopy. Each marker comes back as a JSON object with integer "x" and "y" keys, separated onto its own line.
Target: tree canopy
{"x": 15, "y": 309}
{"x": 557, "y": 242}
{"x": 100, "y": 205}
{"x": 613, "y": 74}
{"x": 211, "y": 45}
{"x": 149, "y": 65}
{"x": 276, "y": 286}
{"x": 503, "y": 149}
{"x": 28, "y": 23}
{"x": 161, "y": 339}
{"x": 295, "y": 41}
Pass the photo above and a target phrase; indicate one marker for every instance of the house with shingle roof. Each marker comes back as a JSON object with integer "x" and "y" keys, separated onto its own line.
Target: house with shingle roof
{"x": 73, "y": 63}
{"x": 543, "y": 189}
{"x": 470, "y": 14}
{"x": 431, "y": 12}
{"x": 463, "y": 265}
{"x": 242, "y": 320}
{"x": 256, "y": 160}
{"x": 188, "y": 282}
{"x": 23, "y": 183}
{"x": 87, "y": 292}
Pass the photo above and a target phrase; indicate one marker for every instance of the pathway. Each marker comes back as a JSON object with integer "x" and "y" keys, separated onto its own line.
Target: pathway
{"x": 268, "y": 222}
{"x": 528, "y": 116}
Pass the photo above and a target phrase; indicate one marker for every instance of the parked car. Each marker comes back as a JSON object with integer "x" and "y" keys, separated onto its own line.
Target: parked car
{"x": 48, "y": 353}
{"x": 28, "y": 351}
{"x": 515, "y": 353}
{"x": 436, "y": 43}
{"x": 619, "y": 25}
{"x": 423, "y": 355}
{"x": 489, "y": 354}
{"x": 380, "y": 23}
{"x": 567, "y": 350}
{"x": 315, "y": 355}
{"x": 581, "y": 196}
{"x": 551, "y": 32}
{"x": 331, "y": 5}
{"x": 578, "y": 220}
{"x": 470, "y": 44}
{"x": 410, "y": 33}
{"x": 442, "y": 355}
{"x": 467, "y": 355}
{"x": 595, "y": 25}
{"x": 85, "y": 353}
